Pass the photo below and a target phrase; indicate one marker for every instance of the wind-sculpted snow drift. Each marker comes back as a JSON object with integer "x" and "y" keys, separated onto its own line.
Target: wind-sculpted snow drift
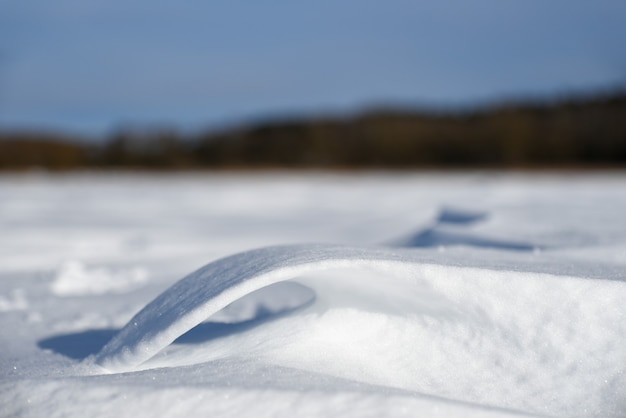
{"x": 494, "y": 296}
{"x": 407, "y": 319}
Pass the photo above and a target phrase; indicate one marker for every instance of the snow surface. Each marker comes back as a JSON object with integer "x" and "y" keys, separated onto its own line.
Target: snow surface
{"x": 452, "y": 295}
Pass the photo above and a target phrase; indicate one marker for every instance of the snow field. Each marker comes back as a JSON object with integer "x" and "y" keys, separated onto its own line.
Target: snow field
{"x": 446, "y": 295}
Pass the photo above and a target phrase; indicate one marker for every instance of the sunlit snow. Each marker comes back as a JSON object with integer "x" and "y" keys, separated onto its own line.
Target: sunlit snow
{"x": 452, "y": 295}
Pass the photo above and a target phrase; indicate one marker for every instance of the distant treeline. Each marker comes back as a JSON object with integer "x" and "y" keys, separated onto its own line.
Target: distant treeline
{"x": 582, "y": 132}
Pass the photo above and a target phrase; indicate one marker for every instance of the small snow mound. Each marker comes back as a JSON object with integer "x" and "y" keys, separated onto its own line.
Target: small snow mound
{"x": 73, "y": 279}
{"x": 16, "y": 301}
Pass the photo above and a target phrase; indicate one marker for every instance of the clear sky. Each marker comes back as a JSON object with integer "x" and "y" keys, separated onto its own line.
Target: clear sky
{"x": 90, "y": 66}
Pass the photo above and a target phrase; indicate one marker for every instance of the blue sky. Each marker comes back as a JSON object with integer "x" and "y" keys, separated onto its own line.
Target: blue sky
{"x": 92, "y": 66}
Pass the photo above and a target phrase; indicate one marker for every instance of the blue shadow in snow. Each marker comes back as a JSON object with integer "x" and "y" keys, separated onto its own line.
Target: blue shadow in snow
{"x": 78, "y": 345}
{"x": 460, "y": 217}
{"x": 435, "y": 236}
{"x": 431, "y": 237}
{"x": 81, "y": 345}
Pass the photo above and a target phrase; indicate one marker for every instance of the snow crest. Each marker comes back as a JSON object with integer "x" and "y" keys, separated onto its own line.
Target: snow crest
{"x": 528, "y": 341}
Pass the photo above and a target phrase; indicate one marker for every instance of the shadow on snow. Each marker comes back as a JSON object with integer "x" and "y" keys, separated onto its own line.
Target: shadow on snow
{"x": 438, "y": 236}
{"x": 81, "y": 345}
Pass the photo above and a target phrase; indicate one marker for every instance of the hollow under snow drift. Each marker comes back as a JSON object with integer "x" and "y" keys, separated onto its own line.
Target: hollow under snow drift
{"x": 527, "y": 341}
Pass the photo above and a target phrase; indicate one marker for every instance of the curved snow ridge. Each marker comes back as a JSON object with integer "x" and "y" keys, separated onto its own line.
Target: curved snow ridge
{"x": 534, "y": 342}
{"x": 208, "y": 290}
{"x": 213, "y": 287}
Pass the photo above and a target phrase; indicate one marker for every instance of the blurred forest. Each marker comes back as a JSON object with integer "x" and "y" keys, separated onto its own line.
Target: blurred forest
{"x": 577, "y": 132}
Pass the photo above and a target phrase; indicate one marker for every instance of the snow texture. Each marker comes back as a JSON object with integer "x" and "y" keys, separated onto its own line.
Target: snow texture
{"x": 507, "y": 299}
{"x": 482, "y": 329}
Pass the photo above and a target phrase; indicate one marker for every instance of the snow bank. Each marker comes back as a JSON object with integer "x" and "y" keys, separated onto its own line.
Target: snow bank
{"x": 526, "y": 341}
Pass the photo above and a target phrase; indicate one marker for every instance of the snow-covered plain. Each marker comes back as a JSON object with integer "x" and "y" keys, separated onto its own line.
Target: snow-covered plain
{"x": 377, "y": 294}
